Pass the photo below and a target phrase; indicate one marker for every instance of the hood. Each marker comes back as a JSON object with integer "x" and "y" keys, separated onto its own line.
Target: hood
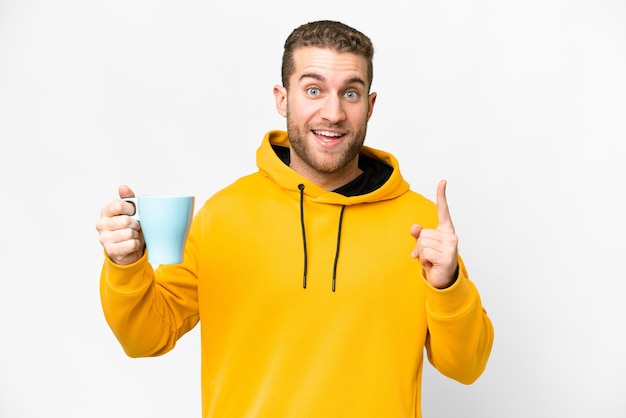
{"x": 272, "y": 166}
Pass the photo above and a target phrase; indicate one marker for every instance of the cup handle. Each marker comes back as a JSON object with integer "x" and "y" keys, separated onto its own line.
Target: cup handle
{"x": 132, "y": 200}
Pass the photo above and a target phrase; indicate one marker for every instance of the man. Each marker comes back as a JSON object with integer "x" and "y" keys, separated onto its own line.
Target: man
{"x": 320, "y": 278}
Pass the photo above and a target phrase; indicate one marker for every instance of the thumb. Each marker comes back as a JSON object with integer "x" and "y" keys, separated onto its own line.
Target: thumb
{"x": 125, "y": 191}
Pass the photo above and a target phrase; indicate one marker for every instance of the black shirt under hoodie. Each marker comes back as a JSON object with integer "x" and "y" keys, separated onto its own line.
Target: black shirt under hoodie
{"x": 375, "y": 174}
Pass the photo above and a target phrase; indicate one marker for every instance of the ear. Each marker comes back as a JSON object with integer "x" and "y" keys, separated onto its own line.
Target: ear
{"x": 280, "y": 95}
{"x": 371, "y": 99}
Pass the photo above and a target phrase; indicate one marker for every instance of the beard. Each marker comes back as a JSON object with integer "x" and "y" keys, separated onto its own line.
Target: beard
{"x": 323, "y": 160}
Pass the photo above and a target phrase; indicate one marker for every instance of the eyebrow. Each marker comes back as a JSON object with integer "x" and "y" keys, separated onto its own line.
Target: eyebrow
{"x": 318, "y": 77}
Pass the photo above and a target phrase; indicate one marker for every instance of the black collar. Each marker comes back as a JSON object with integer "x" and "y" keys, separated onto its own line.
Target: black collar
{"x": 375, "y": 174}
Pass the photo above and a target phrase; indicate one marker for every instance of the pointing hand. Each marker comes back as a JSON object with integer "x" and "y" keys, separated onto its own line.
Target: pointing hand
{"x": 437, "y": 249}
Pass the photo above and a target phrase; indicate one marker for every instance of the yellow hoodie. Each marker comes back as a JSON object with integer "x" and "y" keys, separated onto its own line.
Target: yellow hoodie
{"x": 274, "y": 346}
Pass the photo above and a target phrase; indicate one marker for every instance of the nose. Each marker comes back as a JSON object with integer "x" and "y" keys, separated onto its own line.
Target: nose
{"x": 332, "y": 109}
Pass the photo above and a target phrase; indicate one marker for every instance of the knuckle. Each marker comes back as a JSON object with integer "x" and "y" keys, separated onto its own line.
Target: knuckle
{"x": 125, "y": 234}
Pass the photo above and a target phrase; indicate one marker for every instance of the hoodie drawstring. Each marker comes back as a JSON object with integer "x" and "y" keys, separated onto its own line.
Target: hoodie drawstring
{"x": 306, "y": 257}
{"x": 343, "y": 207}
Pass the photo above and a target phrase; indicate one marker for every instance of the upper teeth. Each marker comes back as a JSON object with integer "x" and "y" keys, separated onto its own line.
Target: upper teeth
{"x": 327, "y": 133}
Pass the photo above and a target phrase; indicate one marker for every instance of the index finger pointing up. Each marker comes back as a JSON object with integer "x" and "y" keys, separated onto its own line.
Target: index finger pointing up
{"x": 445, "y": 221}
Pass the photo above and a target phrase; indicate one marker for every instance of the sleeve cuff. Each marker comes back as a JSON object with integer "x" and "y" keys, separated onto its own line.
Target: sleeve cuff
{"x": 129, "y": 278}
{"x": 451, "y": 301}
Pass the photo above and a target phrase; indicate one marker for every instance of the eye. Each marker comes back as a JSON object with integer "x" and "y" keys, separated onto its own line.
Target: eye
{"x": 313, "y": 91}
{"x": 351, "y": 94}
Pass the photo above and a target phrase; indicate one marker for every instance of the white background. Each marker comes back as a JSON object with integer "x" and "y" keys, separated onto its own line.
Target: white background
{"x": 521, "y": 105}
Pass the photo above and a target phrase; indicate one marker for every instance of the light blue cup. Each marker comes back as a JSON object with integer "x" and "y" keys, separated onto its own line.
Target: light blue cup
{"x": 165, "y": 222}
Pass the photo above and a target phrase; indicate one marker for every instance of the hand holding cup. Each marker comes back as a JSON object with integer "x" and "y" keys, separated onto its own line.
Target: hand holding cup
{"x": 129, "y": 225}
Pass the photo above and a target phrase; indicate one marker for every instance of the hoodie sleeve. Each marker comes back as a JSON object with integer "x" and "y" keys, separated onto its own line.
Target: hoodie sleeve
{"x": 460, "y": 334}
{"x": 146, "y": 315}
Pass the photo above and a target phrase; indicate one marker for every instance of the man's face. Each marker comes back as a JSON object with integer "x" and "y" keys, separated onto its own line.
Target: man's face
{"x": 327, "y": 108}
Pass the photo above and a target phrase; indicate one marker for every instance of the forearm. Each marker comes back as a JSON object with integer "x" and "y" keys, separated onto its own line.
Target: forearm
{"x": 460, "y": 332}
{"x": 137, "y": 312}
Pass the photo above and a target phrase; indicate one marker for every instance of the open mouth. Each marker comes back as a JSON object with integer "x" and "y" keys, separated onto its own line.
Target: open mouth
{"x": 328, "y": 138}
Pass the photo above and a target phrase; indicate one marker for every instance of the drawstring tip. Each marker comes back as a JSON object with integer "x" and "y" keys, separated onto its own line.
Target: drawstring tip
{"x": 304, "y": 282}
